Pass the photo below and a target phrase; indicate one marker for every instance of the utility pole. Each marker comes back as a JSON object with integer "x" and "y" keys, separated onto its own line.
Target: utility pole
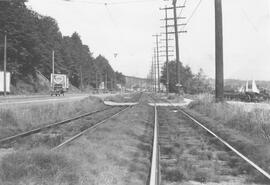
{"x": 5, "y": 65}
{"x": 53, "y": 62}
{"x": 176, "y": 44}
{"x": 157, "y": 61}
{"x": 167, "y": 48}
{"x": 152, "y": 75}
{"x": 167, "y": 51}
{"x": 219, "y": 52}
{"x": 106, "y": 80}
{"x": 96, "y": 81}
{"x": 155, "y": 73}
{"x": 175, "y": 32}
{"x": 81, "y": 77}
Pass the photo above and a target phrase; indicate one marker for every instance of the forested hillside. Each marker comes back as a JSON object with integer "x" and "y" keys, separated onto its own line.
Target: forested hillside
{"x": 32, "y": 38}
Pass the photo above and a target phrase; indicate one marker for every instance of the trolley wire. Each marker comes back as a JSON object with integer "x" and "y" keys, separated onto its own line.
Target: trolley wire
{"x": 193, "y": 13}
{"x": 184, "y": 4}
{"x": 109, "y": 3}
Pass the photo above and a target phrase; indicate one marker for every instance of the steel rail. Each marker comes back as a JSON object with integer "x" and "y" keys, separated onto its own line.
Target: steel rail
{"x": 154, "y": 171}
{"x": 266, "y": 174}
{"x": 254, "y": 165}
{"x": 37, "y": 130}
{"x": 89, "y": 128}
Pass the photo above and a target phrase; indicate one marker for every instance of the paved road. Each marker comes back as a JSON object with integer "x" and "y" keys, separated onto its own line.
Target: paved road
{"x": 15, "y": 100}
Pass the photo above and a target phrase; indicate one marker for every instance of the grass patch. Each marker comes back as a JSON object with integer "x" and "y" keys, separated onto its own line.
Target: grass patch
{"x": 255, "y": 123}
{"x": 14, "y": 118}
{"x": 174, "y": 175}
{"x": 38, "y": 166}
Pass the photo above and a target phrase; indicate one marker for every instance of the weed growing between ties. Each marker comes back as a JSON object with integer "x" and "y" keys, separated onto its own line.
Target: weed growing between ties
{"x": 189, "y": 156}
{"x": 14, "y": 119}
{"x": 185, "y": 155}
{"x": 38, "y": 166}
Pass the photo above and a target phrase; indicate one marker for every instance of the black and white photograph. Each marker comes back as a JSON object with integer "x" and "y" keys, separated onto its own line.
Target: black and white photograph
{"x": 134, "y": 92}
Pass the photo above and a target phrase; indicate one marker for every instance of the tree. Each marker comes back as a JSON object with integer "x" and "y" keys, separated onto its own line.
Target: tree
{"x": 31, "y": 40}
{"x": 191, "y": 83}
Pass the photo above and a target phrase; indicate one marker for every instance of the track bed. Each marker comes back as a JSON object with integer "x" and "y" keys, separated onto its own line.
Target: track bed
{"x": 189, "y": 155}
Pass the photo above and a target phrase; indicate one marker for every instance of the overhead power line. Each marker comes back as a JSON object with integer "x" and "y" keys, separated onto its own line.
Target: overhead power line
{"x": 193, "y": 12}
{"x": 181, "y": 11}
{"x": 109, "y": 3}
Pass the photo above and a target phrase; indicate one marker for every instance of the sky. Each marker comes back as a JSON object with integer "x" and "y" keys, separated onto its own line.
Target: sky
{"x": 126, "y": 27}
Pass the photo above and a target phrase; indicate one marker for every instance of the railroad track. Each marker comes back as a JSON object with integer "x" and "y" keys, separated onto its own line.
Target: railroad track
{"x": 90, "y": 128}
{"x": 53, "y": 125}
{"x": 164, "y": 144}
{"x": 137, "y": 97}
{"x": 64, "y": 128}
{"x": 68, "y": 130}
{"x": 154, "y": 176}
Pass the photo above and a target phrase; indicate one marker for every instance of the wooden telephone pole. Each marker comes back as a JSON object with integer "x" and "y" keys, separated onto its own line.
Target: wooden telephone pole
{"x": 175, "y": 32}
{"x": 167, "y": 49}
{"x": 53, "y": 62}
{"x": 5, "y": 66}
{"x": 152, "y": 75}
{"x": 157, "y": 61}
{"x": 176, "y": 44}
{"x": 155, "y": 71}
{"x": 219, "y": 52}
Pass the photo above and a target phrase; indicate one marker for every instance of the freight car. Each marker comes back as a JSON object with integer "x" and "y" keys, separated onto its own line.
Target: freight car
{"x": 59, "y": 84}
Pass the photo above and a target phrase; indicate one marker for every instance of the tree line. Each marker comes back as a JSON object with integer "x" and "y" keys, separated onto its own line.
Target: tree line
{"x": 32, "y": 38}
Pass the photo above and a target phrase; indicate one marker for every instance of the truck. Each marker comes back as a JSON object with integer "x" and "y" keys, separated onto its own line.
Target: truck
{"x": 59, "y": 84}
{"x": 2, "y": 82}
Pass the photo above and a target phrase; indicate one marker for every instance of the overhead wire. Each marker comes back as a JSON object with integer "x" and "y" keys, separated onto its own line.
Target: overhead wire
{"x": 88, "y": 2}
{"x": 184, "y": 4}
{"x": 117, "y": 27}
{"x": 193, "y": 13}
{"x": 109, "y": 3}
{"x": 248, "y": 20}
{"x": 130, "y": 2}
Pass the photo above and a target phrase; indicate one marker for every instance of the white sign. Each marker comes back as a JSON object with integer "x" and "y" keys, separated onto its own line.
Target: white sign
{"x": 59, "y": 79}
{"x": 102, "y": 85}
{"x": 2, "y": 81}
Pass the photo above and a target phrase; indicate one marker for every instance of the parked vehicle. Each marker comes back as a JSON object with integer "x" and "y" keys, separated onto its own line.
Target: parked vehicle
{"x": 59, "y": 84}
